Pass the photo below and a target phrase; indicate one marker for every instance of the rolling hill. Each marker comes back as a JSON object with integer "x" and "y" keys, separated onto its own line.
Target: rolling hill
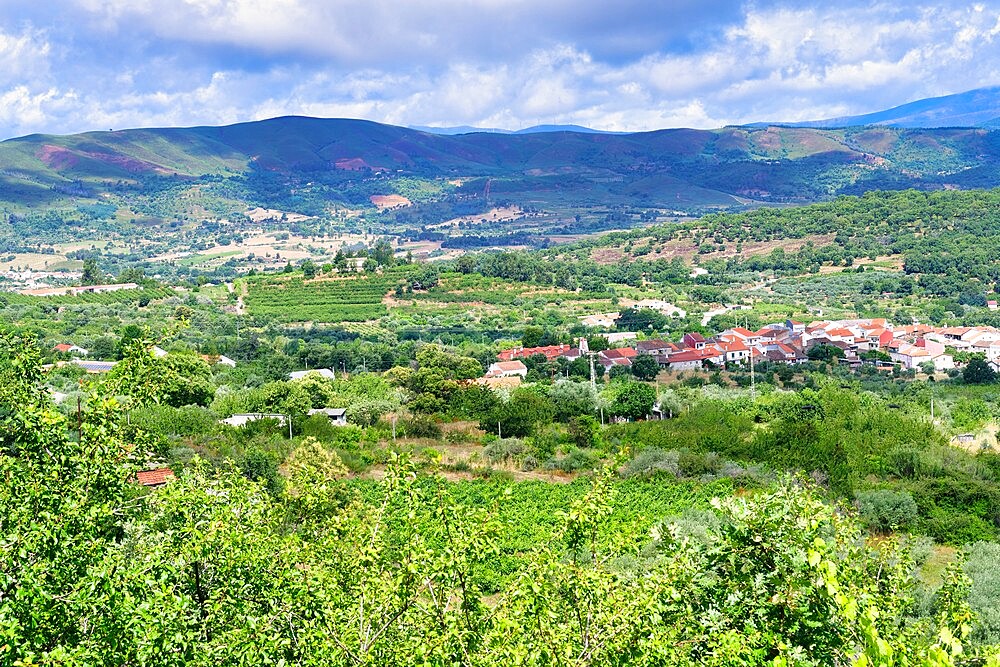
{"x": 973, "y": 108}
{"x": 317, "y": 163}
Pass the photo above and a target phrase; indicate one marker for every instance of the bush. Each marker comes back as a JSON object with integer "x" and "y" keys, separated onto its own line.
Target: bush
{"x": 503, "y": 451}
{"x": 262, "y": 467}
{"x": 422, "y": 427}
{"x": 576, "y": 459}
{"x": 885, "y": 510}
{"x": 693, "y": 464}
{"x": 584, "y": 431}
{"x": 983, "y": 568}
{"x": 185, "y": 421}
{"x": 317, "y": 426}
{"x": 652, "y": 462}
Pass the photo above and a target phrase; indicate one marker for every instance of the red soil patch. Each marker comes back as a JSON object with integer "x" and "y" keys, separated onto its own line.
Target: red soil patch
{"x": 352, "y": 164}
{"x": 607, "y": 256}
{"x": 389, "y": 201}
{"x": 58, "y": 157}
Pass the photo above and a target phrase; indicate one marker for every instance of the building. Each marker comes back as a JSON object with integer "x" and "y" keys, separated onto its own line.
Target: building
{"x": 321, "y": 372}
{"x": 69, "y": 348}
{"x": 155, "y": 477}
{"x": 665, "y": 307}
{"x": 218, "y": 360}
{"x": 247, "y": 417}
{"x": 503, "y": 369}
{"x": 655, "y": 347}
{"x": 600, "y": 320}
{"x": 94, "y": 366}
{"x": 498, "y": 383}
{"x": 687, "y": 360}
{"x": 695, "y": 341}
{"x": 337, "y": 416}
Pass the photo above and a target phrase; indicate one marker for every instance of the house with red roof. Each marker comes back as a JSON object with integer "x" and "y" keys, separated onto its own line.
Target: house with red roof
{"x": 694, "y": 340}
{"x": 155, "y": 477}
{"x": 503, "y": 369}
{"x": 70, "y": 348}
{"x": 733, "y": 350}
{"x": 550, "y": 352}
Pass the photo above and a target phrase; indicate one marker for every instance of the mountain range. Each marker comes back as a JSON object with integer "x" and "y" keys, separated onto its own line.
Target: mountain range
{"x": 550, "y": 168}
{"x": 973, "y": 108}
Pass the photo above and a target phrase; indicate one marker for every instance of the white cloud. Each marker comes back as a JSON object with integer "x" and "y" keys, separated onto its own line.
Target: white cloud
{"x": 482, "y": 62}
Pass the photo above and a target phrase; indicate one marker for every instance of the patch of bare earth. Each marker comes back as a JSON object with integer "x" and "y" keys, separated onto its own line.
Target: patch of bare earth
{"x": 607, "y": 256}
{"x": 383, "y": 202}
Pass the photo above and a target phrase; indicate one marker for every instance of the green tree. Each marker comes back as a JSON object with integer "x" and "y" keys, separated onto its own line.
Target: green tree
{"x": 979, "y": 371}
{"x": 518, "y": 417}
{"x": 92, "y": 273}
{"x": 633, "y": 400}
{"x": 532, "y": 336}
{"x": 187, "y": 380}
{"x": 645, "y": 367}
{"x": 308, "y": 269}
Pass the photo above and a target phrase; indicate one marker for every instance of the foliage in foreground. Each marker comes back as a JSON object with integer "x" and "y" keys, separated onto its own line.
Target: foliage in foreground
{"x": 214, "y": 569}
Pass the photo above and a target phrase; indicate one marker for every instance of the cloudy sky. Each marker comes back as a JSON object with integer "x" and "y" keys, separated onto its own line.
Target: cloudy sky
{"x": 73, "y": 65}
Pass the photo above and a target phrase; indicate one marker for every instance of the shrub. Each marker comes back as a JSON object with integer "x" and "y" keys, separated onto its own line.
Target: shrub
{"x": 652, "y": 462}
{"x": 262, "y": 467}
{"x": 545, "y": 443}
{"x": 693, "y": 464}
{"x": 576, "y": 459}
{"x": 529, "y": 463}
{"x": 584, "y": 431}
{"x": 421, "y": 426}
{"x": 317, "y": 426}
{"x": 983, "y": 568}
{"x": 503, "y": 451}
{"x": 885, "y": 510}
{"x": 165, "y": 420}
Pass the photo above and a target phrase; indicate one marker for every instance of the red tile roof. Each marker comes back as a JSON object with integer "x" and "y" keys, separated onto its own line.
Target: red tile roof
{"x": 511, "y": 366}
{"x": 63, "y": 347}
{"x": 156, "y": 477}
{"x": 550, "y": 352}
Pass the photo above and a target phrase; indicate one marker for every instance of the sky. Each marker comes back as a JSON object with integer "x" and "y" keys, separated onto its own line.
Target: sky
{"x": 628, "y": 65}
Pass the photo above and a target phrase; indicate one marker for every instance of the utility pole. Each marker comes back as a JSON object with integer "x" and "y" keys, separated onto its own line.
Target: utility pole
{"x": 753, "y": 381}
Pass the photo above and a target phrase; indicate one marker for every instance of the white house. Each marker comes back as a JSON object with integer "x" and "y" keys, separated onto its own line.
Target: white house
{"x": 337, "y": 416}
{"x": 69, "y": 348}
{"x": 665, "y": 307}
{"x": 322, "y": 372}
{"x": 245, "y": 418}
{"x": 503, "y": 369}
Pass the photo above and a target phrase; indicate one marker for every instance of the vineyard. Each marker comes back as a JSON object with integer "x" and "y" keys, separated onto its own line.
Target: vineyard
{"x": 340, "y": 299}
{"x": 104, "y": 298}
{"x": 459, "y": 288}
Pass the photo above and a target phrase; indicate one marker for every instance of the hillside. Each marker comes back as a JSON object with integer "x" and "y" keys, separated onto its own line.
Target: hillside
{"x": 263, "y": 193}
{"x": 973, "y": 108}
{"x": 661, "y": 168}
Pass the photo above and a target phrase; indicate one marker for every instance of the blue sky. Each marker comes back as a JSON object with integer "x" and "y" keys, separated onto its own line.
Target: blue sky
{"x": 74, "y": 65}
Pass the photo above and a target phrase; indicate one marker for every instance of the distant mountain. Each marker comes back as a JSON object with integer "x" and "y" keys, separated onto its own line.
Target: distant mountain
{"x": 458, "y": 129}
{"x": 468, "y": 129}
{"x": 974, "y": 108}
{"x": 298, "y": 163}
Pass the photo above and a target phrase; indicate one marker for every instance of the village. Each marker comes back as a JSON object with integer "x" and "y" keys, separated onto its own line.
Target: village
{"x": 849, "y": 342}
